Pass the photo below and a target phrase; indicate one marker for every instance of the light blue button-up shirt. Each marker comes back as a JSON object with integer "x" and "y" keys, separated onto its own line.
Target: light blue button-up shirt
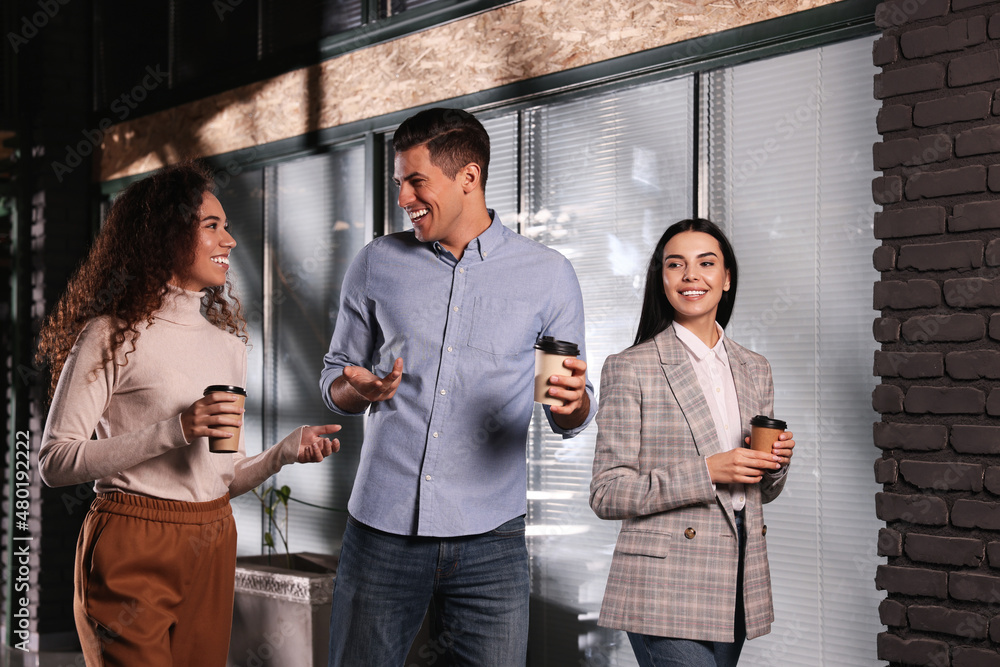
{"x": 445, "y": 456}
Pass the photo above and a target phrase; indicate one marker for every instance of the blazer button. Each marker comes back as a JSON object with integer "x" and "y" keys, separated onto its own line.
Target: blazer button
{"x": 763, "y": 531}
{"x": 689, "y": 533}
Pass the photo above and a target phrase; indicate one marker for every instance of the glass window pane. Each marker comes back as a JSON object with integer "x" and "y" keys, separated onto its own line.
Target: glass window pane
{"x": 211, "y": 39}
{"x": 122, "y": 53}
{"x": 317, "y": 225}
{"x": 395, "y": 218}
{"x": 242, "y": 197}
{"x": 604, "y": 176}
{"x": 791, "y": 182}
{"x": 294, "y": 24}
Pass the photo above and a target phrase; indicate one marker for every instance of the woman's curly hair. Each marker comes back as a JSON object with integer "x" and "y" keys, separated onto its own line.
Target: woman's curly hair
{"x": 148, "y": 237}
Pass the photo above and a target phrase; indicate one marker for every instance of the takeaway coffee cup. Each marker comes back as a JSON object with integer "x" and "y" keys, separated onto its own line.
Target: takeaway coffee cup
{"x": 764, "y": 431}
{"x": 549, "y": 356}
{"x": 232, "y": 443}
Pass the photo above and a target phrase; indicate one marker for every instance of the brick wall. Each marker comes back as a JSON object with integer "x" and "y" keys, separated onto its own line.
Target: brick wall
{"x": 940, "y": 357}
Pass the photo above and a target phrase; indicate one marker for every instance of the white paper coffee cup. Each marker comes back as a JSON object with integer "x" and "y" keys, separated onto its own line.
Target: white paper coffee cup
{"x": 232, "y": 443}
{"x": 764, "y": 431}
{"x": 549, "y": 356}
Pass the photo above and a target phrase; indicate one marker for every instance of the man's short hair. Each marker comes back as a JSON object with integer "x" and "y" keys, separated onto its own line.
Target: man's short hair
{"x": 454, "y": 138}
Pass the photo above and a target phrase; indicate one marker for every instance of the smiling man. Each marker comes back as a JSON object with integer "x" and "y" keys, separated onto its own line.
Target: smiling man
{"x": 436, "y": 335}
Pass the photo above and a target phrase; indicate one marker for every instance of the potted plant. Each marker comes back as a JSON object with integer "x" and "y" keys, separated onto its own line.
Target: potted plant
{"x": 281, "y": 609}
{"x": 272, "y": 499}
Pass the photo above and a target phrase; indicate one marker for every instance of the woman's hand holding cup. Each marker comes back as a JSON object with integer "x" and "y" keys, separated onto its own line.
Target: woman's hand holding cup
{"x": 783, "y": 446}
{"x": 740, "y": 466}
{"x": 203, "y": 418}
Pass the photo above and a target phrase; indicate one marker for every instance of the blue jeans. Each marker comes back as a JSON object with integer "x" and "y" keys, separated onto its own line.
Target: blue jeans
{"x": 476, "y": 586}
{"x": 651, "y": 651}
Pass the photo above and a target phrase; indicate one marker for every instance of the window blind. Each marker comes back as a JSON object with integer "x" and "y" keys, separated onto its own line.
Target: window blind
{"x": 242, "y": 197}
{"x": 790, "y": 178}
{"x": 603, "y": 176}
{"x": 316, "y": 220}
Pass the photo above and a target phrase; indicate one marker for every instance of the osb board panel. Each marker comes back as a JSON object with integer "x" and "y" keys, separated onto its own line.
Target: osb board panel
{"x": 528, "y": 39}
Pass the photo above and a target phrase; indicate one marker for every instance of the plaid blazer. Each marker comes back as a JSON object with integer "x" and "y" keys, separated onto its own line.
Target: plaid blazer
{"x": 673, "y": 573}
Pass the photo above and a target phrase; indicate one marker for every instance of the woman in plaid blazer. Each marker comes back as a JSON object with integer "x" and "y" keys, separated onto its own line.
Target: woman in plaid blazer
{"x": 689, "y": 579}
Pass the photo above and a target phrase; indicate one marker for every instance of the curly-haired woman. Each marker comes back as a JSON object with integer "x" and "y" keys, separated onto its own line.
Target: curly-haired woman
{"x": 146, "y": 323}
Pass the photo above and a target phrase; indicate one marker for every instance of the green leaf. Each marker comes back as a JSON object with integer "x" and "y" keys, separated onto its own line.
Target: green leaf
{"x": 268, "y": 540}
{"x": 283, "y": 494}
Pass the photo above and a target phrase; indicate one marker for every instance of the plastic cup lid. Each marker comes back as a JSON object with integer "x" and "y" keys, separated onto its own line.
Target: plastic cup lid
{"x": 767, "y": 422}
{"x": 561, "y": 347}
{"x": 228, "y": 388}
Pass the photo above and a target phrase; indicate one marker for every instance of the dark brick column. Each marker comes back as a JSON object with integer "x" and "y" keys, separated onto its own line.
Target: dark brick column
{"x": 940, "y": 358}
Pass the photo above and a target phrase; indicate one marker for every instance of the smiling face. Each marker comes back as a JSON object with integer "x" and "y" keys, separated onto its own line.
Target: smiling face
{"x": 694, "y": 277}
{"x": 212, "y": 246}
{"x": 435, "y": 203}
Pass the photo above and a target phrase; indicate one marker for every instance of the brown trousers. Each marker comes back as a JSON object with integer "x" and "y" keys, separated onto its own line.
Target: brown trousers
{"x": 154, "y": 582}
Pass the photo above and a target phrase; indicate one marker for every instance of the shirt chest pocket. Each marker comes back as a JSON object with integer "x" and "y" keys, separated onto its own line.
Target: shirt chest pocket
{"x": 503, "y": 326}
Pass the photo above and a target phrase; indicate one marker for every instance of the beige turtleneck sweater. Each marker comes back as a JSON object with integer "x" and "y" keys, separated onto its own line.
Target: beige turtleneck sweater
{"x": 134, "y": 409}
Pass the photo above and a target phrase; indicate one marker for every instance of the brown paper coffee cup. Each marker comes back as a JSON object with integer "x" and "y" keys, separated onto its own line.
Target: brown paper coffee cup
{"x": 232, "y": 443}
{"x": 549, "y": 356}
{"x": 764, "y": 431}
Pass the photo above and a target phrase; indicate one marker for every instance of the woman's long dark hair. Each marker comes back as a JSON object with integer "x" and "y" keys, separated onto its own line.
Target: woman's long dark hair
{"x": 148, "y": 236}
{"x": 657, "y": 313}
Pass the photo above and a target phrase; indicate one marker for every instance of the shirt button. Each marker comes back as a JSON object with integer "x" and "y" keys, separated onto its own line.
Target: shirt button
{"x": 484, "y": 253}
{"x": 717, "y": 389}
{"x": 428, "y": 478}
{"x": 461, "y": 270}
{"x": 726, "y": 427}
{"x": 455, "y": 309}
{"x": 435, "y": 434}
{"x": 443, "y": 392}
{"x": 449, "y": 348}
{"x": 689, "y": 533}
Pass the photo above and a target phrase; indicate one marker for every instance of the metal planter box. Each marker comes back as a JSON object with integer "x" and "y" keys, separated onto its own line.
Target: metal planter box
{"x": 281, "y": 616}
